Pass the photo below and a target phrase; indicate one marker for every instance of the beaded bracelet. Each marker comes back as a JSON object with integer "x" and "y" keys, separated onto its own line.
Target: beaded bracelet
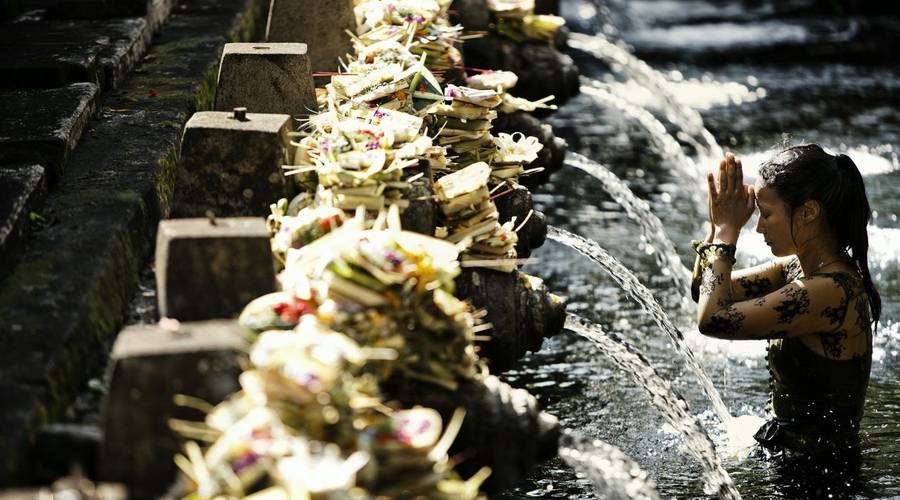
{"x": 707, "y": 251}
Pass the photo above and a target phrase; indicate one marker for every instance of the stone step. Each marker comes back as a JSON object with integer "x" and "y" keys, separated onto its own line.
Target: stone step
{"x": 53, "y": 53}
{"x": 43, "y": 126}
{"x": 64, "y": 302}
{"x": 88, "y": 9}
{"x": 21, "y": 190}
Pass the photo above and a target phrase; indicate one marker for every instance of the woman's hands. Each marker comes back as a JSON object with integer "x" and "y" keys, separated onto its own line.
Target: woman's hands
{"x": 731, "y": 202}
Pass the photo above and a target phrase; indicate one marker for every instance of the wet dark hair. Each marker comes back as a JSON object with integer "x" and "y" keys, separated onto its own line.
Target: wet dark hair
{"x": 807, "y": 172}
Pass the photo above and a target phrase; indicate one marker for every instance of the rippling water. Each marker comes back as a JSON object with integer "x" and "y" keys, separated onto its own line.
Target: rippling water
{"x": 748, "y": 108}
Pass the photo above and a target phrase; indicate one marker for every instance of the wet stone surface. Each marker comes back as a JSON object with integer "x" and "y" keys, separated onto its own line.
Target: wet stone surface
{"x": 21, "y": 191}
{"x": 65, "y": 301}
{"x": 266, "y": 78}
{"x": 43, "y": 126}
{"x": 151, "y": 366}
{"x": 231, "y": 166}
{"x": 304, "y": 21}
{"x": 749, "y": 107}
{"x": 211, "y": 270}
{"x": 42, "y": 54}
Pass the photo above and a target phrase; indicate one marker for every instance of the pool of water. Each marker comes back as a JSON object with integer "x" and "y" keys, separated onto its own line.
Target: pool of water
{"x": 749, "y": 108}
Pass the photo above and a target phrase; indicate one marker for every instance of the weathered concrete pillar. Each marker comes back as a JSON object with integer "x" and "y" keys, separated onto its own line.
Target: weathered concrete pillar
{"x": 267, "y": 78}
{"x": 211, "y": 269}
{"x": 231, "y": 164}
{"x": 321, "y": 25}
{"x": 151, "y": 366}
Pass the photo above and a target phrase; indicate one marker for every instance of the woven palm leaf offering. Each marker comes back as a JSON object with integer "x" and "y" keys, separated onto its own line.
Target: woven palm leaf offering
{"x": 464, "y": 124}
{"x": 308, "y": 422}
{"x": 293, "y": 229}
{"x": 502, "y": 82}
{"x": 472, "y": 221}
{"x": 365, "y": 158}
{"x": 388, "y": 288}
{"x": 420, "y": 25}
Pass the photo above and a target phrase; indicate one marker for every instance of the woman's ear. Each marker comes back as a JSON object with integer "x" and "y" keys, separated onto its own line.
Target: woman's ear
{"x": 810, "y": 211}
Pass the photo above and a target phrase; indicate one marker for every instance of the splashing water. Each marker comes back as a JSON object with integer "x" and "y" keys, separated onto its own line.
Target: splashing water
{"x": 673, "y": 407}
{"x": 639, "y": 211}
{"x": 660, "y": 139}
{"x": 634, "y": 69}
{"x": 615, "y": 475}
{"x": 640, "y": 294}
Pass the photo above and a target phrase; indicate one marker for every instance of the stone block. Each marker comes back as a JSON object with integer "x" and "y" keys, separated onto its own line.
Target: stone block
{"x": 42, "y": 126}
{"x": 123, "y": 53}
{"x": 45, "y": 54}
{"x": 21, "y": 190}
{"x": 322, "y": 26}
{"x": 211, "y": 270}
{"x": 266, "y": 78}
{"x": 151, "y": 366}
{"x": 230, "y": 166}
{"x": 63, "y": 448}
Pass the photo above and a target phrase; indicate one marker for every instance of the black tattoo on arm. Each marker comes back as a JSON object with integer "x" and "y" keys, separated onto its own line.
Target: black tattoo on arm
{"x": 836, "y": 315}
{"x": 726, "y": 322}
{"x": 755, "y": 287}
{"x": 797, "y": 303}
{"x": 710, "y": 280}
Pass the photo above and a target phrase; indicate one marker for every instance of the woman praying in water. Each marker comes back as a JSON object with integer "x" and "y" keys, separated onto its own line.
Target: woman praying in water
{"x": 815, "y": 303}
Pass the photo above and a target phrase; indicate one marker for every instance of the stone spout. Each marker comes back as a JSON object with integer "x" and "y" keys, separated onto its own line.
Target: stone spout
{"x": 520, "y": 308}
{"x": 496, "y": 416}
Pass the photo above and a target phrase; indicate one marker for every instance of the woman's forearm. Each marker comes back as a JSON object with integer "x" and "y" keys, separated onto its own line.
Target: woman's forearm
{"x": 714, "y": 291}
{"x": 696, "y": 274}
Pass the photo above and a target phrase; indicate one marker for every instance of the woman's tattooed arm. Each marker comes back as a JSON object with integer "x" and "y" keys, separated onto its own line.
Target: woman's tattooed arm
{"x": 806, "y": 306}
{"x": 716, "y": 294}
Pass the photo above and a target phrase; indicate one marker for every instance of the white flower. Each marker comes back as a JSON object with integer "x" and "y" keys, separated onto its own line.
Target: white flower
{"x": 513, "y": 150}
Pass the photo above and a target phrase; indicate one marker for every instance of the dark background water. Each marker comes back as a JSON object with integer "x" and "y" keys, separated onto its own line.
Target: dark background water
{"x": 760, "y": 74}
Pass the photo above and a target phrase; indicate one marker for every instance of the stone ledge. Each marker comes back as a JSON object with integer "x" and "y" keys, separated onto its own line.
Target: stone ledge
{"x": 43, "y": 125}
{"x": 21, "y": 189}
{"x": 49, "y": 53}
{"x": 62, "y": 306}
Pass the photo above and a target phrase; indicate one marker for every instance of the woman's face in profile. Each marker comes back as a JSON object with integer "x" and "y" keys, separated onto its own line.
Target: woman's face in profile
{"x": 774, "y": 221}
